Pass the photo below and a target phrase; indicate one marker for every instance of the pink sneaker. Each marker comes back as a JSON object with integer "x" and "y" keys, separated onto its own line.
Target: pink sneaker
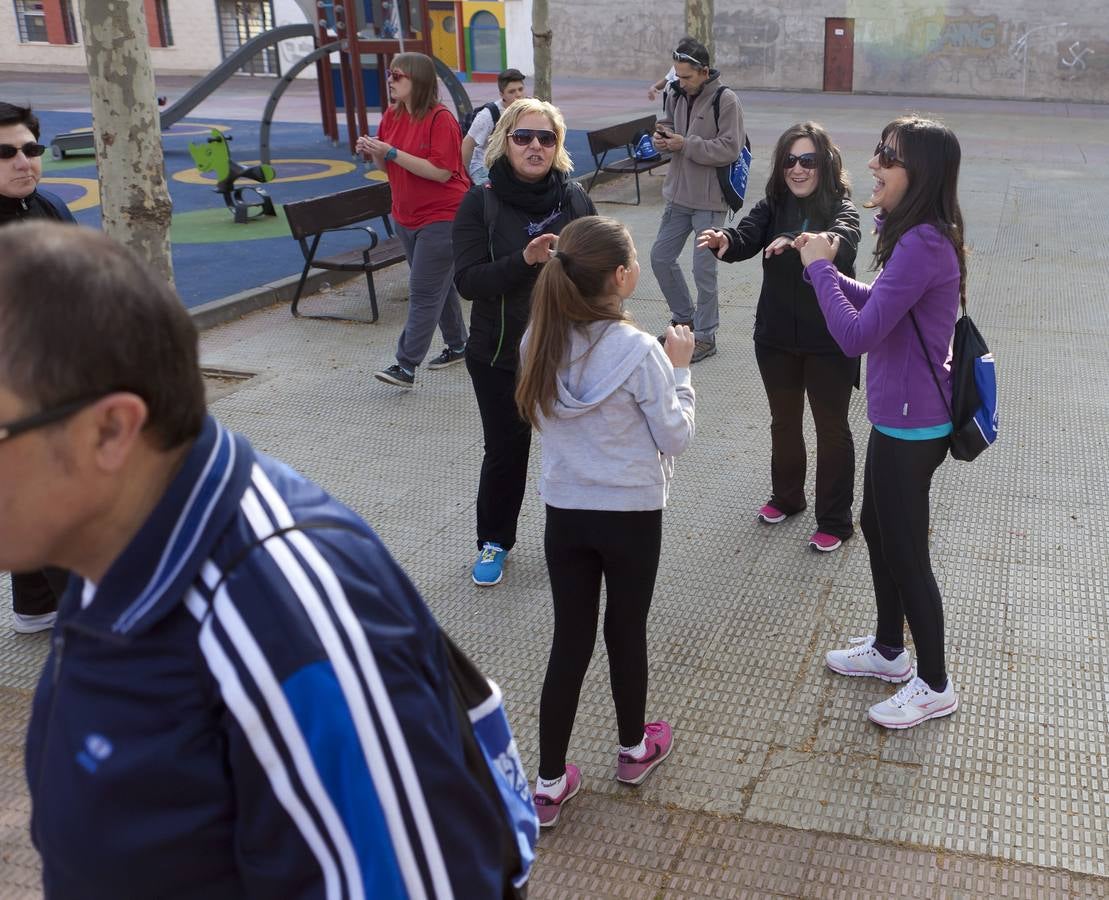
{"x": 550, "y": 808}
{"x": 659, "y": 738}
{"x": 770, "y": 515}
{"x": 825, "y": 543}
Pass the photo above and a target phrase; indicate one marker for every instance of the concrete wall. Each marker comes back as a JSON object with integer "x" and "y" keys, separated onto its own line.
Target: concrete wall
{"x": 969, "y": 48}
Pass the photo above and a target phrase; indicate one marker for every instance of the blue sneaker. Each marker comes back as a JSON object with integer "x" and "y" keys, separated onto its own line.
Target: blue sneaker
{"x": 489, "y": 568}
{"x": 644, "y": 149}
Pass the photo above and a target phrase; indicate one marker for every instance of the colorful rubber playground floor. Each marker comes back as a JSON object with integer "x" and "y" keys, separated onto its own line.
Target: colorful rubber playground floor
{"x": 212, "y": 256}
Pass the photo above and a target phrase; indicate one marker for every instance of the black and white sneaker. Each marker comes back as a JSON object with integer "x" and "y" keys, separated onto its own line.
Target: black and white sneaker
{"x": 394, "y": 374}
{"x": 447, "y": 358}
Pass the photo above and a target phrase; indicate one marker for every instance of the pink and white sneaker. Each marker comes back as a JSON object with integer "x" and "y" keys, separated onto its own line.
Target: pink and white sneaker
{"x": 770, "y": 515}
{"x": 824, "y": 542}
{"x": 913, "y": 704}
{"x": 861, "y": 658}
{"x": 659, "y": 738}
{"x": 550, "y": 808}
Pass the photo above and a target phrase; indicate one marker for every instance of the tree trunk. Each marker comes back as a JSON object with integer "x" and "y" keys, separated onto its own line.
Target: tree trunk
{"x": 698, "y": 23}
{"x": 134, "y": 200}
{"x": 541, "y": 43}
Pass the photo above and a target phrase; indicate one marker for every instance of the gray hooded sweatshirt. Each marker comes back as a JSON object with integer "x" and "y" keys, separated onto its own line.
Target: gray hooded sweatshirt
{"x": 622, "y": 413}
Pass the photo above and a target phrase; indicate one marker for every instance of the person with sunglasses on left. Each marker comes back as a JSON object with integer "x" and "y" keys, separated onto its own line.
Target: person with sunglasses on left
{"x": 34, "y": 594}
{"x": 419, "y": 146}
{"x": 808, "y": 190}
{"x": 503, "y": 235}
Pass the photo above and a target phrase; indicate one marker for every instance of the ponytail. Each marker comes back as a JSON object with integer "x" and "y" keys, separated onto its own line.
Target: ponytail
{"x": 574, "y": 289}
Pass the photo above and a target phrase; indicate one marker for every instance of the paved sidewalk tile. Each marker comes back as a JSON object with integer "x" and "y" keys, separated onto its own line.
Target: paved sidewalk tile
{"x": 778, "y": 784}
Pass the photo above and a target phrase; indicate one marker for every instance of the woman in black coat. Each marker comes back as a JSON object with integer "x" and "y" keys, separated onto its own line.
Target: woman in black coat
{"x": 503, "y": 233}
{"x": 808, "y": 190}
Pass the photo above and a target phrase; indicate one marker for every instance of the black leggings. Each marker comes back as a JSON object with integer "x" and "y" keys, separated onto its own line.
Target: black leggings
{"x": 828, "y": 378}
{"x": 895, "y": 524}
{"x": 504, "y": 467}
{"x": 581, "y": 546}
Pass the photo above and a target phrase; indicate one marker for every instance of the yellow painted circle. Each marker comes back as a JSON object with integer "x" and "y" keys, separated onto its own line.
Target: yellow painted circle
{"x": 376, "y": 175}
{"x": 332, "y": 167}
{"x": 91, "y": 187}
{"x": 200, "y": 128}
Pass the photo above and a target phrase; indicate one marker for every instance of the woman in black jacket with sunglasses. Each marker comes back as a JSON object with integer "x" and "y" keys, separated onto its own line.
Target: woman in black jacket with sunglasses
{"x": 503, "y": 234}
{"x": 808, "y": 190}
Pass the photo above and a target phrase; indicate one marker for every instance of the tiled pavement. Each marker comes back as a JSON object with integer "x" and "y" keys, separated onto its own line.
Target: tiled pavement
{"x": 778, "y": 785}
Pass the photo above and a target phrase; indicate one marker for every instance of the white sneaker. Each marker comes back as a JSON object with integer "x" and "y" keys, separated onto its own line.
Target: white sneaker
{"x": 22, "y": 624}
{"x": 913, "y": 704}
{"x": 863, "y": 659}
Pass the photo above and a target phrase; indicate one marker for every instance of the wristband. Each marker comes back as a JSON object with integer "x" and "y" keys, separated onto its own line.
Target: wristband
{"x": 392, "y": 154}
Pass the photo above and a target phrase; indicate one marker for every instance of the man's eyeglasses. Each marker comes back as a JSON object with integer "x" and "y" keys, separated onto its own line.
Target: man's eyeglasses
{"x": 46, "y": 417}
{"x": 31, "y": 150}
{"x": 396, "y": 74}
{"x": 685, "y": 57}
{"x": 807, "y": 160}
{"x": 522, "y": 137}
{"x": 887, "y": 157}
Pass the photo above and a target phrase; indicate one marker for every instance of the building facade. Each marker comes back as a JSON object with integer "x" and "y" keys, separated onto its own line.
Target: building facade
{"x": 981, "y": 48}
{"x": 476, "y": 38}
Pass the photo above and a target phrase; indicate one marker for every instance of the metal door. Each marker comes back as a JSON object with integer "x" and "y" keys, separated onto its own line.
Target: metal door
{"x": 839, "y": 54}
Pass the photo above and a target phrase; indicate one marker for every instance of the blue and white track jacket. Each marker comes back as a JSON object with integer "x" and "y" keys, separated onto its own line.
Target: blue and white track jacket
{"x": 284, "y": 732}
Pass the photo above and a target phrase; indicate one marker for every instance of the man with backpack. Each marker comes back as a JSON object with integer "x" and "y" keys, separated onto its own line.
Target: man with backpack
{"x": 245, "y": 695}
{"x": 481, "y": 123}
{"x": 702, "y": 129}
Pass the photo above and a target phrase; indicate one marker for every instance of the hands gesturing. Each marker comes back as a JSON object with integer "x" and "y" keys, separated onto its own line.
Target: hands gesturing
{"x": 715, "y": 240}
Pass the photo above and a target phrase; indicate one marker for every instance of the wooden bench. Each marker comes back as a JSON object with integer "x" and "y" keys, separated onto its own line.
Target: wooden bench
{"x": 310, "y": 220}
{"x": 622, "y": 137}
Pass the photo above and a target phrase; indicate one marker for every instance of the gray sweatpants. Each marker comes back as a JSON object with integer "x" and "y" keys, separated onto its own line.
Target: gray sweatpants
{"x": 678, "y": 222}
{"x": 431, "y": 295}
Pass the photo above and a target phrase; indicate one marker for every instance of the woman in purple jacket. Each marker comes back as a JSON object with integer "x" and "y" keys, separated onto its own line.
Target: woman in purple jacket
{"x": 904, "y": 322}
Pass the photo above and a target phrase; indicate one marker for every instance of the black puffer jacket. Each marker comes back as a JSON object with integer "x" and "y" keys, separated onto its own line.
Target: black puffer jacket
{"x": 490, "y": 271}
{"x": 38, "y": 205}
{"x": 788, "y": 317}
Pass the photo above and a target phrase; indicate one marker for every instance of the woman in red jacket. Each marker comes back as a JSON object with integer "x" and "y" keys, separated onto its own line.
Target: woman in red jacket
{"x": 419, "y": 146}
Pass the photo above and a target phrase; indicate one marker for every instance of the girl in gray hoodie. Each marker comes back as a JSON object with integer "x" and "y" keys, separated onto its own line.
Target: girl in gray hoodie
{"x": 612, "y": 407}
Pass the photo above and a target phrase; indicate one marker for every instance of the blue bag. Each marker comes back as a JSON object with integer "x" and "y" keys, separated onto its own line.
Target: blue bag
{"x": 733, "y": 177}
{"x": 484, "y": 706}
{"x": 973, "y": 407}
{"x": 973, "y": 392}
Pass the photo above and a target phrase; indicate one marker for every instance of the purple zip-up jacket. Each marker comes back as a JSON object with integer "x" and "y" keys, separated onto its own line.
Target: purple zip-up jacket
{"x": 922, "y": 275}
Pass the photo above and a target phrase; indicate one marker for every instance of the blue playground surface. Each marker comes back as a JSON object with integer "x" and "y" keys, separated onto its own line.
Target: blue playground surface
{"x": 212, "y": 256}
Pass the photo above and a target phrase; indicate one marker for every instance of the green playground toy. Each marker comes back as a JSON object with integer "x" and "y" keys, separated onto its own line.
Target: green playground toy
{"x": 215, "y": 156}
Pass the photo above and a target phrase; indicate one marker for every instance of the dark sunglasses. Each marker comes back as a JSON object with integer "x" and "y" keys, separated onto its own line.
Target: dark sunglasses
{"x": 396, "y": 74}
{"x": 685, "y": 57}
{"x": 887, "y": 157}
{"x": 46, "y": 417}
{"x": 807, "y": 160}
{"x": 31, "y": 151}
{"x": 522, "y": 137}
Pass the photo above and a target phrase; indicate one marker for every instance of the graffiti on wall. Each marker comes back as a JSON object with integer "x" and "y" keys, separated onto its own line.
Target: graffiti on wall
{"x": 1082, "y": 59}
{"x": 956, "y": 35}
{"x": 747, "y": 39}
{"x": 964, "y": 53}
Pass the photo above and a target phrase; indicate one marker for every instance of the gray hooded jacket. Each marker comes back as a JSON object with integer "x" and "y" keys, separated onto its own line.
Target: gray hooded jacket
{"x": 622, "y": 413}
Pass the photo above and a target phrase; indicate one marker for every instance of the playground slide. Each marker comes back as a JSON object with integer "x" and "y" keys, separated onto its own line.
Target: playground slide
{"x": 194, "y": 96}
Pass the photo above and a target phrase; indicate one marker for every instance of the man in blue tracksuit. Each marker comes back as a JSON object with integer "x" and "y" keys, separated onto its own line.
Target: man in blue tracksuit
{"x": 233, "y": 706}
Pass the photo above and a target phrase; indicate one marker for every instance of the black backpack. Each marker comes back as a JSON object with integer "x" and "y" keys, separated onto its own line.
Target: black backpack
{"x": 468, "y": 119}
